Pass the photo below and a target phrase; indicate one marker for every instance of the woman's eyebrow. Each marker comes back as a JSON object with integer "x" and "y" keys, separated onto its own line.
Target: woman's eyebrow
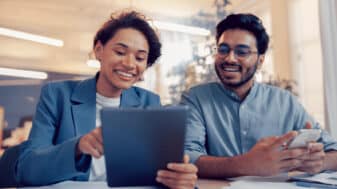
{"x": 126, "y": 46}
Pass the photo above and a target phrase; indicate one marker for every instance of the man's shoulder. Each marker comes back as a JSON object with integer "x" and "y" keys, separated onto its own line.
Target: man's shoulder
{"x": 204, "y": 93}
{"x": 205, "y": 87}
{"x": 67, "y": 85}
{"x": 273, "y": 91}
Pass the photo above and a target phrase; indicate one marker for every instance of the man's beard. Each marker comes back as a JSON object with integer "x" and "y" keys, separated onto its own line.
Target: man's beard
{"x": 246, "y": 78}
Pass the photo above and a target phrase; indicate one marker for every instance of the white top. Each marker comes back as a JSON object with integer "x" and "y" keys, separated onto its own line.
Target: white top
{"x": 97, "y": 171}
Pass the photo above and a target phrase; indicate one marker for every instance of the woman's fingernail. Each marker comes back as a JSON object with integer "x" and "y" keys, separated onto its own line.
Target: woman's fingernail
{"x": 170, "y": 165}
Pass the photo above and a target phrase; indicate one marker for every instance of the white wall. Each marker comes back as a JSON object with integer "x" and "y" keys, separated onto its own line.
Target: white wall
{"x": 306, "y": 55}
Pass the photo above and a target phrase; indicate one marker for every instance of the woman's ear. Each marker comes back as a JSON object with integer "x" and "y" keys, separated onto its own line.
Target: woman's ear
{"x": 98, "y": 49}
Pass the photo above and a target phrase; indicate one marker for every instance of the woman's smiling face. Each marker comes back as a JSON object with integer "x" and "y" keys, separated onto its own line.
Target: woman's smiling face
{"x": 123, "y": 60}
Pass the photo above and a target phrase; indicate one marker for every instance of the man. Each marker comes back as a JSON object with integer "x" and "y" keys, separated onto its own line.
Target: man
{"x": 240, "y": 127}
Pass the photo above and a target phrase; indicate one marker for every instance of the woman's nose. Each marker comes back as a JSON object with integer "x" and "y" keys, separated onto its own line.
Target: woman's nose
{"x": 129, "y": 61}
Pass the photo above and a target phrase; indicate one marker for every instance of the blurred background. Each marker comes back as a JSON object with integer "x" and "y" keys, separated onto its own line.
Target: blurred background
{"x": 59, "y": 47}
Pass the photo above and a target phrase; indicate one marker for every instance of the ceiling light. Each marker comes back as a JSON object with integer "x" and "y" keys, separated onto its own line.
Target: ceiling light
{"x": 180, "y": 28}
{"x": 31, "y": 37}
{"x": 23, "y": 73}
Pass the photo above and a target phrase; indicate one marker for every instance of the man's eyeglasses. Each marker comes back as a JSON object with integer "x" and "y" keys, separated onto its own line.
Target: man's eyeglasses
{"x": 240, "y": 51}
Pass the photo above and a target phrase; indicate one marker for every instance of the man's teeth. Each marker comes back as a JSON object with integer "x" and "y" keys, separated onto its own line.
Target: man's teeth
{"x": 231, "y": 69}
{"x": 124, "y": 74}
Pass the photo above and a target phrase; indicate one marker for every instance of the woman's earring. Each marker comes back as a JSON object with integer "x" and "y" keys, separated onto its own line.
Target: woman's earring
{"x": 141, "y": 78}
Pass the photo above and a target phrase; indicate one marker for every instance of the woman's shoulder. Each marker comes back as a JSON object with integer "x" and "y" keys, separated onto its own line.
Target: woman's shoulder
{"x": 145, "y": 96}
{"x": 60, "y": 86}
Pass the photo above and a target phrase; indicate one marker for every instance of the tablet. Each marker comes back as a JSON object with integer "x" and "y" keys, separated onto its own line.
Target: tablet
{"x": 139, "y": 142}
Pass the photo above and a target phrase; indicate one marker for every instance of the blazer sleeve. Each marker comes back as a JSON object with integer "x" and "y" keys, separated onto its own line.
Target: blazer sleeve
{"x": 42, "y": 162}
{"x": 7, "y": 163}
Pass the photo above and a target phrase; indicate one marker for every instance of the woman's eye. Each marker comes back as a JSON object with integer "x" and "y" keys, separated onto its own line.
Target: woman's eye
{"x": 120, "y": 52}
{"x": 140, "y": 59}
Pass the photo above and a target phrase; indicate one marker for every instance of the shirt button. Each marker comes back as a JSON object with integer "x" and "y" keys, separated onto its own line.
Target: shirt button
{"x": 242, "y": 106}
{"x": 244, "y": 132}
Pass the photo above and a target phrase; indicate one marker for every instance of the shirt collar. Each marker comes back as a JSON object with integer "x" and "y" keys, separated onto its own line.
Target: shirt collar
{"x": 231, "y": 94}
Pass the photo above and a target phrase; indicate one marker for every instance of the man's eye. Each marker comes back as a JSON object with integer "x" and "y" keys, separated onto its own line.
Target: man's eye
{"x": 242, "y": 51}
{"x": 223, "y": 50}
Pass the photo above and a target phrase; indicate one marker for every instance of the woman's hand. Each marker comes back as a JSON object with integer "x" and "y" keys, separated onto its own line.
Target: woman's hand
{"x": 179, "y": 175}
{"x": 91, "y": 144}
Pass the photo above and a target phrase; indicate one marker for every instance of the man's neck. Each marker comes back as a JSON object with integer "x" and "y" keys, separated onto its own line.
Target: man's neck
{"x": 243, "y": 90}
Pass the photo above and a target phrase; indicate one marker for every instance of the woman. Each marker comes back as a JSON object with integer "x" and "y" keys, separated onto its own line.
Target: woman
{"x": 66, "y": 131}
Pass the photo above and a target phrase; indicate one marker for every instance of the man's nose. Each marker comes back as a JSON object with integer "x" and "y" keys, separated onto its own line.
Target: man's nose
{"x": 231, "y": 57}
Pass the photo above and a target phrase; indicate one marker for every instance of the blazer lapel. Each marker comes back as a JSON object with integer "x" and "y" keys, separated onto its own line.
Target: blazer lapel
{"x": 130, "y": 98}
{"x": 84, "y": 106}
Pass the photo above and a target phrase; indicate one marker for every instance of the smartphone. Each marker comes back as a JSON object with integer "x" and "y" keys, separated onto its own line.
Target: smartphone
{"x": 305, "y": 136}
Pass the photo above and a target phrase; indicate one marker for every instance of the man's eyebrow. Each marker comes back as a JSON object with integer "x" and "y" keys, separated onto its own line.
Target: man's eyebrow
{"x": 242, "y": 46}
{"x": 125, "y": 46}
{"x": 239, "y": 45}
{"x": 223, "y": 44}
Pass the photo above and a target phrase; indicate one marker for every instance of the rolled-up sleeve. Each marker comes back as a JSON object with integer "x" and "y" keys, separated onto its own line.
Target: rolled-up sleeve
{"x": 330, "y": 144}
{"x": 303, "y": 117}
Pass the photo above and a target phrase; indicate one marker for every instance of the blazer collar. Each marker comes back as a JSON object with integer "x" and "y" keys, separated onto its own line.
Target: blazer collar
{"x": 85, "y": 92}
{"x": 130, "y": 98}
{"x": 84, "y": 104}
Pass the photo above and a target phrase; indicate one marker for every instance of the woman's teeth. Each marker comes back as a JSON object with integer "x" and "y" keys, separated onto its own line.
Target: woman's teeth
{"x": 124, "y": 74}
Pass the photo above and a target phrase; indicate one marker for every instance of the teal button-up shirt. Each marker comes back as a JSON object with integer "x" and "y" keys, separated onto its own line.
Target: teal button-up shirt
{"x": 220, "y": 124}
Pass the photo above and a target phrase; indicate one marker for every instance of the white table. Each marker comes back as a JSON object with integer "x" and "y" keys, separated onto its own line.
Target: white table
{"x": 202, "y": 184}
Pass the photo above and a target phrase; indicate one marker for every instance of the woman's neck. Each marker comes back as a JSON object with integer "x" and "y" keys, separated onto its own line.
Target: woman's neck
{"x": 106, "y": 89}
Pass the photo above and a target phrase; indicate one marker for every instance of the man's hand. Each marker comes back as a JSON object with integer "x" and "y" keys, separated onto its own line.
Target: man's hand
{"x": 91, "y": 143}
{"x": 268, "y": 157}
{"x": 179, "y": 175}
{"x": 313, "y": 161}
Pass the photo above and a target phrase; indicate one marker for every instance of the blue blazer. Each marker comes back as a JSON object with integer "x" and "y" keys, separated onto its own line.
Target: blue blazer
{"x": 65, "y": 112}
{"x": 8, "y": 163}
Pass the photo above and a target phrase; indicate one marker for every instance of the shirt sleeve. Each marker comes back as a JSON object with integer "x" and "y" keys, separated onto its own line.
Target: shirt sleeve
{"x": 195, "y": 131}
{"x": 303, "y": 116}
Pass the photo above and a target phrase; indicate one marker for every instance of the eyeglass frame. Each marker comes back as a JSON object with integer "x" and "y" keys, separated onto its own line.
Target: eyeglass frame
{"x": 235, "y": 50}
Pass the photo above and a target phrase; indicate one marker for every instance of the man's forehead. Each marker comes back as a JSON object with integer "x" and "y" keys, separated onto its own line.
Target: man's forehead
{"x": 237, "y": 37}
